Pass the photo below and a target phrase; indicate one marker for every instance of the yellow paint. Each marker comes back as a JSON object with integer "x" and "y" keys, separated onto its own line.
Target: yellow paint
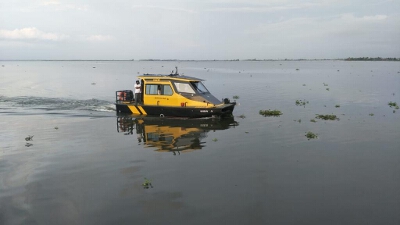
{"x": 133, "y": 109}
{"x": 141, "y": 109}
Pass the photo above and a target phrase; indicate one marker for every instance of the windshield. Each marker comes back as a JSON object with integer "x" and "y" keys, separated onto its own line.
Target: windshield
{"x": 199, "y": 86}
{"x": 184, "y": 87}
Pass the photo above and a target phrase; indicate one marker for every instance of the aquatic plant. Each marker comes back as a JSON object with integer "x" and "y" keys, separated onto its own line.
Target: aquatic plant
{"x": 28, "y": 144}
{"x": 297, "y": 69}
{"x": 147, "y": 184}
{"x": 214, "y": 139}
{"x": 312, "y": 120}
{"x": 371, "y": 114}
{"x": 56, "y": 128}
{"x": 337, "y": 106}
{"x": 325, "y": 84}
{"x": 242, "y": 116}
{"x": 235, "y": 97}
{"x": 304, "y": 84}
{"x": 393, "y": 104}
{"x": 270, "y": 112}
{"x": 311, "y": 135}
{"x": 327, "y": 117}
{"x": 29, "y": 138}
{"x": 301, "y": 103}
{"x": 327, "y": 89}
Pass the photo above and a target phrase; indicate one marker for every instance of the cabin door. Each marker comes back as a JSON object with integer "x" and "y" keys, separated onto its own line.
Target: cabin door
{"x": 158, "y": 94}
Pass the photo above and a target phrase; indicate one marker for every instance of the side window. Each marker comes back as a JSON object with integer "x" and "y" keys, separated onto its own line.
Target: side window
{"x": 158, "y": 89}
{"x": 167, "y": 90}
{"x": 151, "y": 89}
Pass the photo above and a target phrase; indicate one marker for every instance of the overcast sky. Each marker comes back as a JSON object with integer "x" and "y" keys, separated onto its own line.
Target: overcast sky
{"x": 198, "y": 29}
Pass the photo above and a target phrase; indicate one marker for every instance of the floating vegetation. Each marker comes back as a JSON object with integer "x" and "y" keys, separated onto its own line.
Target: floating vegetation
{"x": 327, "y": 89}
{"x": 312, "y": 120}
{"x": 29, "y": 138}
{"x": 304, "y": 84}
{"x": 301, "y": 102}
{"x": 311, "y": 135}
{"x": 270, "y": 112}
{"x": 327, "y": 117}
{"x": 242, "y": 116}
{"x": 28, "y": 144}
{"x": 297, "y": 69}
{"x": 393, "y": 104}
{"x": 337, "y": 106}
{"x": 235, "y": 97}
{"x": 147, "y": 184}
{"x": 214, "y": 139}
{"x": 56, "y": 128}
{"x": 371, "y": 114}
{"x": 325, "y": 84}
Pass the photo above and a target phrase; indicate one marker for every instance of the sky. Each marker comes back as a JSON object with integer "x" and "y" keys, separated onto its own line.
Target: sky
{"x": 198, "y": 29}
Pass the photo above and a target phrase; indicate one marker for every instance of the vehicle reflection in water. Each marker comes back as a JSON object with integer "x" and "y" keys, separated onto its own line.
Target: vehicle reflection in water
{"x": 172, "y": 135}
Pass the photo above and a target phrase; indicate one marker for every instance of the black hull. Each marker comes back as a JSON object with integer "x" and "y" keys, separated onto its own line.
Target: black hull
{"x": 222, "y": 111}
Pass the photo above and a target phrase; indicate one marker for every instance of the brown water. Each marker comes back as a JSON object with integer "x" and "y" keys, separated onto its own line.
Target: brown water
{"x": 87, "y": 165}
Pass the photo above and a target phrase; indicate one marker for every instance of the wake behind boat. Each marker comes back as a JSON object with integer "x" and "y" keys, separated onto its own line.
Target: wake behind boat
{"x": 172, "y": 95}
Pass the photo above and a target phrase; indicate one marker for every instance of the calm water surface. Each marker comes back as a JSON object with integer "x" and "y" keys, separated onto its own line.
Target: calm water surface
{"x": 86, "y": 165}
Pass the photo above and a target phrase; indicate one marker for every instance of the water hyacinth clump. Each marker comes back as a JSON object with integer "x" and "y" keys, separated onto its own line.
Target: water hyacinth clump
{"x": 147, "y": 184}
{"x": 327, "y": 117}
{"x": 311, "y": 135}
{"x": 393, "y": 104}
{"x": 301, "y": 102}
{"x": 270, "y": 112}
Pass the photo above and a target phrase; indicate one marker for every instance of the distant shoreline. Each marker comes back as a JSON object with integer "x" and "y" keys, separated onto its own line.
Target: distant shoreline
{"x": 208, "y": 60}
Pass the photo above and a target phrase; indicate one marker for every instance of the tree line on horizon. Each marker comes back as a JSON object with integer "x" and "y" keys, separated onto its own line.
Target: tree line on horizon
{"x": 372, "y": 59}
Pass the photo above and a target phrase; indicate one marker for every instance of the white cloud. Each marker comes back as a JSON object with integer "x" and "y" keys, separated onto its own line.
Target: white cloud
{"x": 264, "y": 8}
{"x": 163, "y": 8}
{"x": 99, "y": 38}
{"x": 58, "y": 6}
{"x": 30, "y": 33}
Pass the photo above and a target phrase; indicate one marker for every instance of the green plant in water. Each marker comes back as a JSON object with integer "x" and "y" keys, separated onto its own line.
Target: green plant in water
{"x": 393, "y": 104}
{"x": 327, "y": 117}
{"x": 371, "y": 114}
{"x": 235, "y": 97}
{"x": 327, "y": 89}
{"x": 337, "y": 106}
{"x": 147, "y": 184}
{"x": 215, "y": 139}
{"x": 311, "y": 135}
{"x": 270, "y": 112}
{"x": 242, "y": 116}
{"x": 301, "y": 102}
{"x": 325, "y": 84}
{"x": 312, "y": 120}
{"x": 29, "y": 138}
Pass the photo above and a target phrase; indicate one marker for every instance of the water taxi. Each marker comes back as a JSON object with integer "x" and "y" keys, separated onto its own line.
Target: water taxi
{"x": 172, "y": 95}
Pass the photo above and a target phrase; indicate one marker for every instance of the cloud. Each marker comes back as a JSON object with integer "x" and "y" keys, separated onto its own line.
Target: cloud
{"x": 267, "y": 6}
{"x": 163, "y": 8}
{"x": 31, "y": 33}
{"x": 58, "y": 6}
{"x": 99, "y": 38}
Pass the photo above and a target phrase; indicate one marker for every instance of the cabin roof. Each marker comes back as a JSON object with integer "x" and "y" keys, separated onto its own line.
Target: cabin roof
{"x": 171, "y": 77}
